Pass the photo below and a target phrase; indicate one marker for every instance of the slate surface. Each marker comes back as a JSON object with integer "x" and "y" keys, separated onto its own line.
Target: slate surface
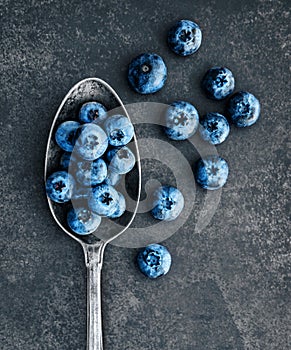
{"x": 228, "y": 287}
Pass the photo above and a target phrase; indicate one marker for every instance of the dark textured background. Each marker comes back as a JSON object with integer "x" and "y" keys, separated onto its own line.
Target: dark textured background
{"x": 228, "y": 286}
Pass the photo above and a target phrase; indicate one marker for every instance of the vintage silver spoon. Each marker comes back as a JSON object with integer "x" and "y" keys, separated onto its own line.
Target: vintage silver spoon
{"x": 91, "y": 89}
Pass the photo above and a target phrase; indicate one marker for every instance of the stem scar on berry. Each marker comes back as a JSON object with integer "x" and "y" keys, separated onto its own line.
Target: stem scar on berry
{"x": 153, "y": 259}
{"x": 181, "y": 119}
{"x": 187, "y": 35}
{"x": 106, "y": 199}
{"x": 123, "y": 154}
{"x": 212, "y": 126}
{"x": 94, "y": 114}
{"x": 92, "y": 141}
{"x": 84, "y": 216}
{"x": 117, "y": 135}
{"x": 58, "y": 186}
{"x": 214, "y": 170}
{"x": 145, "y": 68}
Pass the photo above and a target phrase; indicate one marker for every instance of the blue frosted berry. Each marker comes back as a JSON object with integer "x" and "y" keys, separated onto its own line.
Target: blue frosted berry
{"x": 211, "y": 172}
{"x": 182, "y": 120}
{"x": 66, "y": 135}
{"x": 119, "y": 130}
{"x": 92, "y": 112}
{"x": 214, "y": 128}
{"x": 112, "y": 178}
{"x": 91, "y": 173}
{"x": 243, "y": 108}
{"x": 121, "y": 206}
{"x": 121, "y": 160}
{"x": 185, "y": 38}
{"x": 154, "y": 260}
{"x": 60, "y": 186}
{"x": 168, "y": 203}
{"x": 104, "y": 200}
{"x": 218, "y": 83}
{"x": 147, "y": 73}
{"x": 92, "y": 141}
{"x": 83, "y": 221}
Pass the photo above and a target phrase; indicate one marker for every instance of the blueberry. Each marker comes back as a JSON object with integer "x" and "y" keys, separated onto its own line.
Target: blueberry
{"x": 82, "y": 221}
{"x": 92, "y": 141}
{"x": 119, "y": 130}
{"x": 66, "y": 135}
{"x": 154, "y": 260}
{"x": 168, "y": 203}
{"x": 182, "y": 120}
{"x": 91, "y": 173}
{"x": 214, "y": 128}
{"x": 243, "y": 108}
{"x": 185, "y": 38}
{"x": 218, "y": 83}
{"x": 65, "y": 160}
{"x": 60, "y": 186}
{"x": 121, "y": 160}
{"x": 147, "y": 73}
{"x": 211, "y": 172}
{"x": 112, "y": 178}
{"x": 121, "y": 206}
{"x": 104, "y": 200}
{"x": 92, "y": 112}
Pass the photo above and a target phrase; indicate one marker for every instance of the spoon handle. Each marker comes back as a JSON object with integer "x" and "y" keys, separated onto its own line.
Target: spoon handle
{"x": 94, "y": 259}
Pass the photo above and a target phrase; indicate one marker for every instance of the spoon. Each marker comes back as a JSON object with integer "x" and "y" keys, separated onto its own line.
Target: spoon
{"x": 90, "y": 89}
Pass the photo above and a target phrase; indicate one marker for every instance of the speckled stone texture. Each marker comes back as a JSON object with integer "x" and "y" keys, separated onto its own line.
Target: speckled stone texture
{"x": 228, "y": 285}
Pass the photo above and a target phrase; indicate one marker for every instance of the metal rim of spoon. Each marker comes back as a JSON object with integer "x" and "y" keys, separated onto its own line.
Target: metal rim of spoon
{"x": 94, "y": 253}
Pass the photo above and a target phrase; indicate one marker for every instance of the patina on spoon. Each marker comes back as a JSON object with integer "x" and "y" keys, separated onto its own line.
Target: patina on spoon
{"x": 90, "y": 89}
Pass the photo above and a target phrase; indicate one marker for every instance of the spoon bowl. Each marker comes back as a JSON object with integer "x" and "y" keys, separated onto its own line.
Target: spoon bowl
{"x": 87, "y": 90}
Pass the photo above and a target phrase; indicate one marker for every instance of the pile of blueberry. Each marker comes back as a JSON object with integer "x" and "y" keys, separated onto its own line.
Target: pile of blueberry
{"x": 147, "y": 74}
{"x": 95, "y": 158}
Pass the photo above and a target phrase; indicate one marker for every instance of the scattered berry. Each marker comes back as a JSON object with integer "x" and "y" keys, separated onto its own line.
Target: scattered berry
{"x": 182, "y": 120}
{"x": 168, "y": 203}
{"x": 211, "y": 172}
{"x": 214, "y": 128}
{"x": 243, "y": 108}
{"x": 154, "y": 261}
{"x": 185, "y": 38}
{"x": 147, "y": 73}
{"x": 218, "y": 83}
